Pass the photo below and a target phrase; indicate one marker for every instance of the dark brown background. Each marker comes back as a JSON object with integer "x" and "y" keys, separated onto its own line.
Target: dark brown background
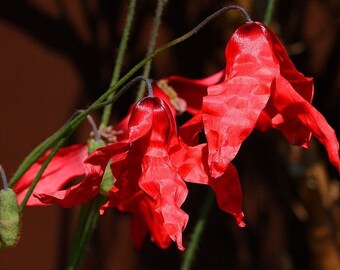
{"x": 57, "y": 56}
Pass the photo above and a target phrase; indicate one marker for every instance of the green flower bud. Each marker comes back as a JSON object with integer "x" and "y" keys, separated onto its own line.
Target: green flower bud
{"x": 9, "y": 217}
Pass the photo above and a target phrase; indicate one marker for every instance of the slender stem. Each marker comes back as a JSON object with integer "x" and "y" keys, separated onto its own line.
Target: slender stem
{"x": 152, "y": 43}
{"x": 75, "y": 122}
{"x": 4, "y": 178}
{"x": 120, "y": 57}
{"x": 198, "y": 230}
{"x": 41, "y": 171}
{"x": 269, "y": 11}
{"x": 93, "y": 125}
{"x": 85, "y": 228}
{"x": 127, "y": 87}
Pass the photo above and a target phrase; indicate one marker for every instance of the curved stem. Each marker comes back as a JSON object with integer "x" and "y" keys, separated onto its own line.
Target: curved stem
{"x": 152, "y": 43}
{"x": 74, "y": 123}
{"x": 3, "y": 178}
{"x": 269, "y": 11}
{"x": 119, "y": 60}
{"x": 127, "y": 87}
{"x": 198, "y": 230}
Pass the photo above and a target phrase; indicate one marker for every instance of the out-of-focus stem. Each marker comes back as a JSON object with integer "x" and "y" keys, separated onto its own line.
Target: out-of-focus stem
{"x": 119, "y": 60}
{"x": 152, "y": 43}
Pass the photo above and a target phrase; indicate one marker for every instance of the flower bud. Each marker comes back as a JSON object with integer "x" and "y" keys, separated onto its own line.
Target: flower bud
{"x": 9, "y": 217}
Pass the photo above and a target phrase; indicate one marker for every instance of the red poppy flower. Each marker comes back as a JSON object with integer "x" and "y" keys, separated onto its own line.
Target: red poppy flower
{"x": 145, "y": 177}
{"x": 66, "y": 165}
{"x": 262, "y": 88}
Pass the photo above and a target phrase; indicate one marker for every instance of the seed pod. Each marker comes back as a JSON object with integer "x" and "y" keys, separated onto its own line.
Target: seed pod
{"x": 9, "y": 217}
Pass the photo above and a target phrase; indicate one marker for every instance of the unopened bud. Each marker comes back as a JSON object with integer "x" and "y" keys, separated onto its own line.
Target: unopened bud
{"x": 9, "y": 217}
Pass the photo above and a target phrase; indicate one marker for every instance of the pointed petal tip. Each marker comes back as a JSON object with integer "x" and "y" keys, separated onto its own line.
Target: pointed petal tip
{"x": 238, "y": 218}
{"x": 181, "y": 248}
{"x": 216, "y": 170}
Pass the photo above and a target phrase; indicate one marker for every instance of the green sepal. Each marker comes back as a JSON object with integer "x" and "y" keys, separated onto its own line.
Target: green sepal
{"x": 93, "y": 144}
{"x": 107, "y": 181}
{"x": 9, "y": 217}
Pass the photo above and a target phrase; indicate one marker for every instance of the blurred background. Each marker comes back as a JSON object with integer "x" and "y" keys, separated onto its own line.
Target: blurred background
{"x": 57, "y": 57}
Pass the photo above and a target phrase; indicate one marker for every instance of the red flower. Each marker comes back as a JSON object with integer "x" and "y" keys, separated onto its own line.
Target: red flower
{"x": 146, "y": 180}
{"x": 64, "y": 167}
{"x": 262, "y": 88}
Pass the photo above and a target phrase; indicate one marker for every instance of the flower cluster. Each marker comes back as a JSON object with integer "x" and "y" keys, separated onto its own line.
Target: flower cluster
{"x": 152, "y": 159}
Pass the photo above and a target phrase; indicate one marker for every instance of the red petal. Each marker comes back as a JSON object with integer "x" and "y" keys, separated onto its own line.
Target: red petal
{"x": 231, "y": 109}
{"x": 229, "y": 193}
{"x": 189, "y": 132}
{"x": 193, "y": 90}
{"x": 303, "y": 85}
{"x": 167, "y": 188}
{"x": 193, "y": 167}
{"x": 83, "y": 192}
{"x": 66, "y": 165}
{"x": 299, "y": 118}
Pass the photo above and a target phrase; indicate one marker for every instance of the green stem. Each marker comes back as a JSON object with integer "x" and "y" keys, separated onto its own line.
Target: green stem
{"x": 76, "y": 121}
{"x": 152, "y": 43}
{"x": 85, "y": 227}
{"x": 119, "y": 60}
{"x": 269, "y": 11}
{"x": 41, "y": 171}
{"x": 198, "y": 231}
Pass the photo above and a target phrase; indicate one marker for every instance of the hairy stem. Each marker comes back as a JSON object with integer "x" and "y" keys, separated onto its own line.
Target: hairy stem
{"x": 119, "y": 60}
{"x": 152, "y": 43}
{"x": 269, "y": 11}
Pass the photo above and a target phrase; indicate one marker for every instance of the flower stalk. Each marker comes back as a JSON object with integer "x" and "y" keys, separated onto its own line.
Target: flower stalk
{"x": 119, "y": 59}
{"x": 152, "y": 43}
{"x": 269, "y": 11}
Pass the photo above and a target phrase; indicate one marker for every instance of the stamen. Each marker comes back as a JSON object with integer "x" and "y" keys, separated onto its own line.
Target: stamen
{"x": 4, "y": 178}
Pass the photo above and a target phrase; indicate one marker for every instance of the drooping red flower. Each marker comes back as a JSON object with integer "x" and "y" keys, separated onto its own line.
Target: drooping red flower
{"x": 149, "y": 167}
{"x": 66, "y": 165}
{"x": 144, "y": 175}
{"x": 261, "y": 89}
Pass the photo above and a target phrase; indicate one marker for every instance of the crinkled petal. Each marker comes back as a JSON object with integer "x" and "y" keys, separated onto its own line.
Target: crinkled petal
{"x": 228, "y": 193}
{"x": 145, "y": 219}
{"x": 189, "y": 132}
{"x": 299, "y": 118}
{"x": 303, "y": 85}
{"x": 192, "y": 163}
{"x": 160, "y": 179}
{"x": 231, "y": 109}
